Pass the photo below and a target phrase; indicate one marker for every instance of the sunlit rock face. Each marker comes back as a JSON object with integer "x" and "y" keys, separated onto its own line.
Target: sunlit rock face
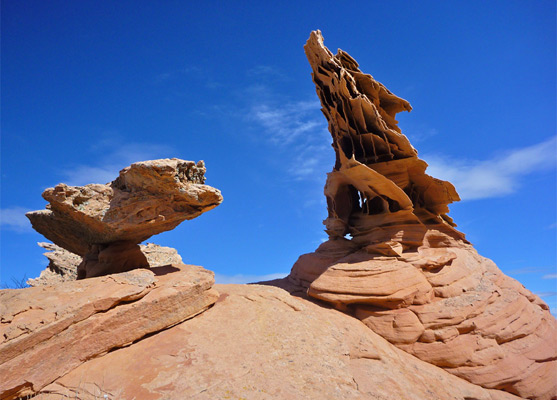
{"x": 48, "y": 331}
{"x": 105, "y": 223}
{"x": 394, "y": 258}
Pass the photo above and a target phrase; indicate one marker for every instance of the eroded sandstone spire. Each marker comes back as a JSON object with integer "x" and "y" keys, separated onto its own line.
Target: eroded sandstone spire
{"x": 394, "y": 258}
{"x": 105, "y": 223}
{"x": 378, "y": 178}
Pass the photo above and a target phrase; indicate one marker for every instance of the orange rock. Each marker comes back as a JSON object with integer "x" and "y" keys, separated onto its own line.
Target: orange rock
{"x": 48, "y": 331}
{"x": 111, "y": 258}
{"x": 386, "y": 283}
{"x": 259, "y": 342}
{"x": 398, "y": 326}
{"x": 405, "y": 270}
{"x": 63, "y": 265}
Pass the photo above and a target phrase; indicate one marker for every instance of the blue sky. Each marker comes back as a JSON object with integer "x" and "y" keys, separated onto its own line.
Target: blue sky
{"x": 89, "y": 87}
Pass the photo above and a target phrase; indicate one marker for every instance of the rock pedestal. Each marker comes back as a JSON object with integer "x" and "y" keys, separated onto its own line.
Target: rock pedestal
{"x": 63, "y": 265}
{"x": 111, "y": 258}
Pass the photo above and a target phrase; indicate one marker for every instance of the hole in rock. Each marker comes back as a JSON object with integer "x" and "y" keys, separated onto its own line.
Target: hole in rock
{"x": 375, "y": 206}
{"x": 347, "y": 146}
{"x": 393, "y": 205}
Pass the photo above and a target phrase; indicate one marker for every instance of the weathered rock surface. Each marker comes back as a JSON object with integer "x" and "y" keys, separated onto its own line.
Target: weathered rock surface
{"x": 259, "y": 342}
{"x": 48, "y": 331}
{"x": 158, "y": 256}
{"x": 394, "y": 258}
{"x": 147, "y": 198}
{"x": 63, "y": 264}
{"x": 111, "y": 258}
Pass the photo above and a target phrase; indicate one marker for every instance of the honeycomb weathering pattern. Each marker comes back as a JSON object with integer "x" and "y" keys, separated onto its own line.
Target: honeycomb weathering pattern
{"x": 394, "y": 258}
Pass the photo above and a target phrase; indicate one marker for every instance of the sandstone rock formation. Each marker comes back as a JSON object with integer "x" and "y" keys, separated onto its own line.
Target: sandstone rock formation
{"x": 434, "y": 320}
{"x": 104, "y": 223}
{"x": 258, "y": 343}
{"x": 394, "y": 258}
{"x": 48, "y": 331}
{"x": 63, "y": 264}
{"x": 159, "y": 256}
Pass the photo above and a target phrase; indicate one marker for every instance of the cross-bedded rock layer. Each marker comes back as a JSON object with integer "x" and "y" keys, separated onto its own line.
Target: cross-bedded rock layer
{"x": 104, "y": 223}
{"x": 395, "y": 259}
{"x": 47, "y": 331}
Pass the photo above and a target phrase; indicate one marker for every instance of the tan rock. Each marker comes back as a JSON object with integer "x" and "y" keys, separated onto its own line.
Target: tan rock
{"x": 405, "y": 270}
{"x": 47, "y": 331}
{"x": 259, "y": 342}
{"x": 314, "y": 264}
{"x": 64, "y": 264}
{"x": 111, "y": 258}
{"x": 159, "y": 256}
{"x": 385, "y": 282}
{"x": 469, "y": 350}
{"x": 397, "y": 326}
{"x": 147, "y": 198}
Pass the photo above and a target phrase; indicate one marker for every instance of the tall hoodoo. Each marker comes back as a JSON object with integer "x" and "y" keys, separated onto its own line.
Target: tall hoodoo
{"x": 378, "y": 178}
{"x": 394, "y": 257}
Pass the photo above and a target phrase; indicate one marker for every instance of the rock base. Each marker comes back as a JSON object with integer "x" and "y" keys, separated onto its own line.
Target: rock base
{"x": 48, "y": 331}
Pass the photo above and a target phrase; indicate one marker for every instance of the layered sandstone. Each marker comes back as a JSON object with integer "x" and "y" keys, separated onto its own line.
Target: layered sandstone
{"x": 105, "y": 223}
{"x": 48, "y": 331}
{"x": 258, "y": 343}
{"x": 394, "y": 258}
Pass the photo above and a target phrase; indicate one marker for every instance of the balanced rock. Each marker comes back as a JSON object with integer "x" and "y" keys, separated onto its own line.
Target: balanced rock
{"x": 48, "y": 331}
{"x": 395, "y": 259}
{"x": 104, "y": 223}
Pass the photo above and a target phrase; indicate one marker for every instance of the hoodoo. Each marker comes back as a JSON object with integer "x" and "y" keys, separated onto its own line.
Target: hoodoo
{"x": 394, "y": 258}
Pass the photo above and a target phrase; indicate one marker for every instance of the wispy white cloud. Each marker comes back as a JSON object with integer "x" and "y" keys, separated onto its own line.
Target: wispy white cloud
{"x": 267, "y": 71}
{"x": 14, "y": 219}
{"x": 311, "y": 161}
{"x": 85, "y": 174}
{"x": 547, "y": 294}
{"x": 297, "y": 129}
{"x": 415, "y": 131}
{"x": 550, "y": 276}
{"x": 499, "y": 176}
{"x": 192, "y": 72}
{"x": 226, "y": 279}
{"x": 528, "y": 270}
{"x": 107, "y": 163}
{"x": 285, "y": 123}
